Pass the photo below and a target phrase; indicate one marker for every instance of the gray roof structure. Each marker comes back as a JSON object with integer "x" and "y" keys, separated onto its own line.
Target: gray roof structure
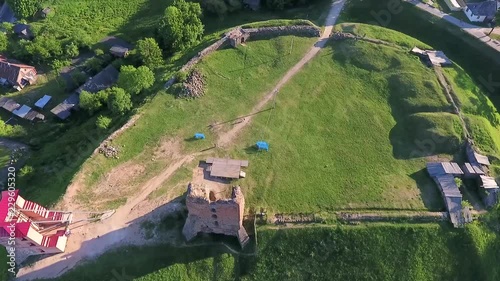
{"x": 9, "y": 104}
{"x": 7, "y": 14}
{"x": 488, "y": 182}
{"x": 443, "y": 168}
{"x": 101, "y": 81}
{"x": 474, "y": 157}
{"x": 485, "y": 8}
{"x": 471, "y": 169}
{"x": 225, "y": 168}
{"x": 63, "y": 110}
{"x": 443, "y": 174}
{"x": 119, "y": 51}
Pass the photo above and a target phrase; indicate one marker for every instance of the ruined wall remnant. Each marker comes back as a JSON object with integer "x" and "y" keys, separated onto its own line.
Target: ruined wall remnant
{"x": 210, "y": 214}
{"x": 246, "y": 34}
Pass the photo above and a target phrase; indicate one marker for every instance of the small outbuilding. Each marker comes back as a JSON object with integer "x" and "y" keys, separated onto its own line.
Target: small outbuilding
{"x": 119, "y": 51}
{"x": 481, "y": 11}
{"x": 226, "y": 168}
{"x": 42, "y": 102}
{"x": 9, "y": 104}
{"x": 23, "y": 31}
{"x": 432, "y": 57}
{"x": 237, "y": 36}
{"x": 45, "y": 12}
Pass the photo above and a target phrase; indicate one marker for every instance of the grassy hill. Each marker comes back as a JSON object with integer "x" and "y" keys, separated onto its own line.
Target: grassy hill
{"x": 354, "y": 125}
{"x": 367, "y": 252}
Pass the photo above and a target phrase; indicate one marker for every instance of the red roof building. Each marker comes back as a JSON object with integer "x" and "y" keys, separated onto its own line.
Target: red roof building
{"x": 32, "y": 226}
{"x": 17, "y": 74}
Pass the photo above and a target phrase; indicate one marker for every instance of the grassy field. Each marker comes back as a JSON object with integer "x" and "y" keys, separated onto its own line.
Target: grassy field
{"x": 436, "y": 32}
{"x": 367, "y": 252}
{"x": 234, "y": 82}
{"x": 353, "y": 125}
{"x": 384, "y": 252}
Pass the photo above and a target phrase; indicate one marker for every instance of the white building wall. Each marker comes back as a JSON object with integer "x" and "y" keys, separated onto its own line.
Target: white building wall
{"x": 472, "y": 17}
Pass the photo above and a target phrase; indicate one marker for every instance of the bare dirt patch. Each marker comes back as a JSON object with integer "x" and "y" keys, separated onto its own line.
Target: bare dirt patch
{"x": 168, "y": 148}
{"x": 117, "y": 183}
{"x": 202, "y": 178}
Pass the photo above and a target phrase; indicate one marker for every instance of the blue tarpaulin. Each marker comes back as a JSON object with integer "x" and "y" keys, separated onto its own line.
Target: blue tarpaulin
{"x": 199, "y": 136}
{"x": 262, "y": 145}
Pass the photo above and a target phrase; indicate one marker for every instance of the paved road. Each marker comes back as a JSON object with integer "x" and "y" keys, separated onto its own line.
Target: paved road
{"x": 471, "y": 29}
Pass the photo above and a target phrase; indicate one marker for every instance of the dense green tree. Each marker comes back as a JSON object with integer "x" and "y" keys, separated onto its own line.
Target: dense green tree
{"x": 4, "y": 42}
{"x": 43, "y": 49}
{"x": 181, "y": 26}
{"x": 149, "y": 52}
{"x": 71, "y": 50}
{"x": 103, "y": 122}
{"x": 10, "y": 131}
{"x": 119, "y": 101}
{"x": 90, "y": 102}
{"x": 134, "y": 80}
{"x": 25, "y": 8}
{"x": 217, "y": 7}
{"x": 58, "y": 65}
{"x": 277, "y": 4}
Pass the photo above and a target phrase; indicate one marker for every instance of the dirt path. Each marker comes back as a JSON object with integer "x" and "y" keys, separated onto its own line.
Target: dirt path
{"x": 117, "y": 230}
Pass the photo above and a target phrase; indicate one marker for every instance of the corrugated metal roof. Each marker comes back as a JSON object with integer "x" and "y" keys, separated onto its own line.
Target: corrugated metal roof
{"x": 488, "y": 182}
{"x": 443, "y": 168}
{"x": 42, "y": 102}
{"x": 241, "y": 163}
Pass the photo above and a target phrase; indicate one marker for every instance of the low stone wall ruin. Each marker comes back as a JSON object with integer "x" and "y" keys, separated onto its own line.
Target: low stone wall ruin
{"x": 261, "y": 32}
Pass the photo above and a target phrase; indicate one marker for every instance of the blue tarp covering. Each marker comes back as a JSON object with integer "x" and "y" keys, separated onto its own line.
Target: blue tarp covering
{"x": 199, "y": 136}
{"x": 262, "y": 145}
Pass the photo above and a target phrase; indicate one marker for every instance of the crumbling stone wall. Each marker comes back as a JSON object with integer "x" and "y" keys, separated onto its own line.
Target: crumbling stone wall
{"x": 299, "y": 30}
{"x": 209, "y": 214}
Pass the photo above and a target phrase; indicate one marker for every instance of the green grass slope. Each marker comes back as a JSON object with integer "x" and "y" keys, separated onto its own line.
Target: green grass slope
{"x": 383, "y": 252}
{"x": 235, "y": 82}
{"x": 349, "y": 131}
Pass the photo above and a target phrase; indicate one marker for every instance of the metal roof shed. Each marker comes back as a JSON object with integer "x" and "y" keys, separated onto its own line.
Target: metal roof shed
{"x": 22, "y": 111}
{"x": 42, "y": 102}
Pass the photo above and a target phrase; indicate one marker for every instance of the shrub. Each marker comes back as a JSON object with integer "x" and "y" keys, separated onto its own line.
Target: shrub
{"x": 181, "y": 26}
{"x": 26, "y": 171}
{"x": 119, "y": 101}
{"x": 134, "y": 80}
{"x": 103, "y": 122}
{"x": 149, "y": 52}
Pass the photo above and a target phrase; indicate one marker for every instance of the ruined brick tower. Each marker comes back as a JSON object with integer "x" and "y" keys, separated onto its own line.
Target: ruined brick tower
{"x": 209, "y": 214}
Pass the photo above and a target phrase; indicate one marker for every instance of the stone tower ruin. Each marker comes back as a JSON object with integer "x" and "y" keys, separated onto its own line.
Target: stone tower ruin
{"x": 209, "y": 214}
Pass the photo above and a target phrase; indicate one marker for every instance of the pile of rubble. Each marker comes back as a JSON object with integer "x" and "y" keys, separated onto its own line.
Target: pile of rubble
{"x": 109, "y": 151}
{"x": 194, "y": 86}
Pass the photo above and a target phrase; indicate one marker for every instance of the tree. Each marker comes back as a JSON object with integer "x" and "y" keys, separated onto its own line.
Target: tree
{"x": 217, "y": 7}
{"x": 134, "y": 80}
{"x": 4, "y": 42}
{"x": 181, "y": 26}
{"x": 25, "y": 8}
{"x": 495, "y": 22}
{"x": 149, "y": 52}
{"x": 71, "y": 50}
{"x": 58, "y": 65}
{"x": 119, "y": 101}
{"x": 103, "y": 122}
{"x": 90, "y": 102}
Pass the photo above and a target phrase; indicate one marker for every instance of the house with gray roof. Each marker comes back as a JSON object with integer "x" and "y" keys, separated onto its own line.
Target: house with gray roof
{"x": 481, "y": 11}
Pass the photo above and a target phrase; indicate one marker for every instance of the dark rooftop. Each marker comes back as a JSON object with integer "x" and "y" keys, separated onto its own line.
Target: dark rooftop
{"x": 485, "y": 8}
{"x": 102, "y": 80}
